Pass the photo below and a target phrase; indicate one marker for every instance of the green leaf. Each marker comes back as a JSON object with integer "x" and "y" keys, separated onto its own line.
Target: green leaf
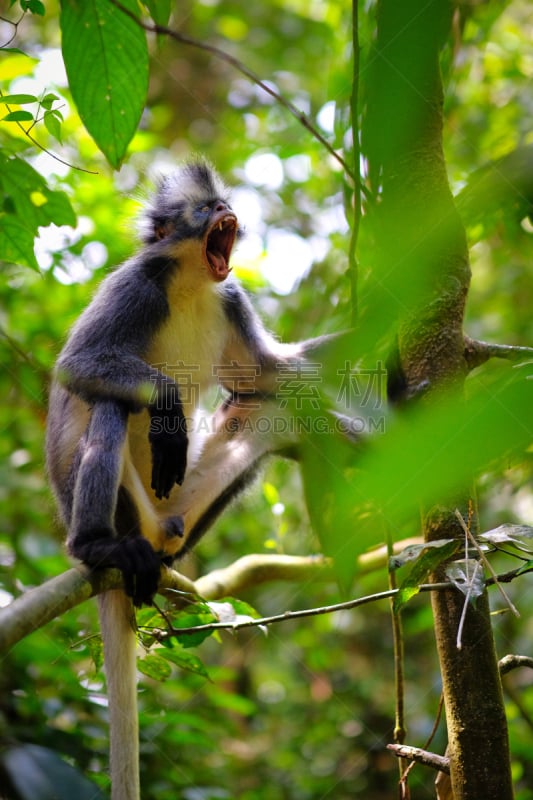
{"x": 18, "y": 99}
{"x": 34, "y": 6}
{"x": 53, "y": 125}
{"x": 18, "y": 116}
{"x": 148, "y": 617}
{"x": 106, "y": 59}
{"x": 16, "y": 243}
{"x": 48, "y": 100}
{"x": 184, "y": 660}
{"x": 196, "y": 614}
{"x": 159, "y": 10}
{"x": 153, "y": 666}
{"x": 423, "y": 457}
{"x": 426, "y": 563}
{"x": 15, "y": 63}
{"x": 32, "y": 205}
{"x": 240, "y": 607}
{"x": 96, "y": 649}
{"x": 526, "y": 567}
{"x": 21, "y": 182}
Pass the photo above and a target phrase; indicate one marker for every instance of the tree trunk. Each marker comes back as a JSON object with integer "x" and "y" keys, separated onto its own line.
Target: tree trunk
{"x": 423, "y": 262}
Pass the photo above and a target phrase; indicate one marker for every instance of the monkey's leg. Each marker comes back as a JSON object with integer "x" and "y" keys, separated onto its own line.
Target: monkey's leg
{"x": 92, "y": 535}
{"x": 246, "y": 430}
{"x": 141, "y": 514}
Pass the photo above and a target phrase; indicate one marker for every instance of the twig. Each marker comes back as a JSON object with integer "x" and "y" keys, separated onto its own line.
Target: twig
{"x": 438, "y": 763}
{"x": 354, "y": 110}
{"x": 486, "y": 563}
{"x": 15, "y": 25}
{"x": 398, "y": 655}
{"x": 42, "y": 147}
{"x": 30, "y": 360}
{"x": 290, "y": 615}
{"x": 182, "y": 38}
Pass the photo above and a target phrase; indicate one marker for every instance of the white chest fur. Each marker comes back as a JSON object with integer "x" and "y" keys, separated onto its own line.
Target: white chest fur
{"x": 189, "y": 346}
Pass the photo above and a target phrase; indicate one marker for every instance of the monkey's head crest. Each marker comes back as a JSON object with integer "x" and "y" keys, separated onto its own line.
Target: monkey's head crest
{"x": 193, "y": 203}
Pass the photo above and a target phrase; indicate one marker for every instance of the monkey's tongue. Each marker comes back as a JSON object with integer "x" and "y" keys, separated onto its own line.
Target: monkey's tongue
{"x": 218, "y": 263}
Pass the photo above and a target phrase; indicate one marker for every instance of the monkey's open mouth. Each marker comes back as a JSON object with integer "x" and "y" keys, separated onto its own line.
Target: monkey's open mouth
{"x": 219, "y": 244}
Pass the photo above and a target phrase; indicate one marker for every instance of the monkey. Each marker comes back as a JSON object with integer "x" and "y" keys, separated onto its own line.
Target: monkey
{"x": 131, "y": 490}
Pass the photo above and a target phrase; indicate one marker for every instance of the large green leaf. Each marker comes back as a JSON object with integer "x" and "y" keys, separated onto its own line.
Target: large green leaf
{"x": 16, "y": 242}
{"x": 422, "y": 459}
{"x": 106, "y": 59}
{"x": 26, "y": 204}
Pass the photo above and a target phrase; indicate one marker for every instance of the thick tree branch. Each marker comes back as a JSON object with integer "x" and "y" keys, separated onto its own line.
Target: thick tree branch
{"x": 477, "y": 352}
{"x": 38, "y": 606}
{"x": 252, "y": 570}
{"x": 510, "y": 662}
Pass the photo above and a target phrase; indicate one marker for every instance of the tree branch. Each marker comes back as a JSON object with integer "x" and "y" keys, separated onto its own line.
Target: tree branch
{"x": 477, "y": 352}
{"x": 439, "y": 763}
{"x": 253, "y": 569}
{"x": 38, "y": 606}
{"x": 510, "y": 662}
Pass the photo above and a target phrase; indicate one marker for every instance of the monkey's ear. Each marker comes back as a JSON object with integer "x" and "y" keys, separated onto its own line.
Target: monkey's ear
{"x": 162, "y": 229}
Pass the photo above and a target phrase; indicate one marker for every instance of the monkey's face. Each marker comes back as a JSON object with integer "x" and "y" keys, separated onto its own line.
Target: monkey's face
{"x": 219, "y": 240}
{"x": 191, "y": 216}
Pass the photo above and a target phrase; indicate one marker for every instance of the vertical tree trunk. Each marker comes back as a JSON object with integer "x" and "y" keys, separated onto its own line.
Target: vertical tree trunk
{"x": 423, "y": 262}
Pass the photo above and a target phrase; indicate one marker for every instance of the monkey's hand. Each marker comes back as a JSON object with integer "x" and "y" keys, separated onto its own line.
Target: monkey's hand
{"x": 134, "y": 556}
{"x": 168, "y": 440}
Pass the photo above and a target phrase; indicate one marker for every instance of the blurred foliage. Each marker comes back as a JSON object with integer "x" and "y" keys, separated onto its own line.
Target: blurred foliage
{"x": 305, "y": 712}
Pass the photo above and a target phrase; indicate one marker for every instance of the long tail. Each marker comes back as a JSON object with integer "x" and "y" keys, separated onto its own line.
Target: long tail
{"x": 116, "y": 621}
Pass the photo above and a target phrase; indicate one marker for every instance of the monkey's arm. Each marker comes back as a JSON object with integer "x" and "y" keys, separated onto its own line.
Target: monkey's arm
{"x": 263, "y": 363}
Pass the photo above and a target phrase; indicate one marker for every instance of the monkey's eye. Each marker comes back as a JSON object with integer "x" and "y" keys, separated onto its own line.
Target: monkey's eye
{"x": 205, "y": 210}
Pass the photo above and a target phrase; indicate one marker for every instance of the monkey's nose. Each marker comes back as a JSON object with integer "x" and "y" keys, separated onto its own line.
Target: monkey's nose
{"x": 220, "y": 206}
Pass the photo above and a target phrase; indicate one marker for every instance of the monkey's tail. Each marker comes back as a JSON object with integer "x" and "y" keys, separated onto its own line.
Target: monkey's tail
{"x": 118, "y": 634}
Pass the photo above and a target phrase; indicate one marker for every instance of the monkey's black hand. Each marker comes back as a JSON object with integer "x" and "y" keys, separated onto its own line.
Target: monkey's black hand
{"x": 168, "y": 440}
{"x": 134, "y": 556}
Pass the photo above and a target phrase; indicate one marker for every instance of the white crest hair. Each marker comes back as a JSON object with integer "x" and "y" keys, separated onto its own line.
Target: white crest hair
{"x": 192, "y": 183}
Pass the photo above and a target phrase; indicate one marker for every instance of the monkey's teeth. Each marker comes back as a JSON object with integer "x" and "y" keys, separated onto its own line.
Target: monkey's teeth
{"x": 220, "y": 226}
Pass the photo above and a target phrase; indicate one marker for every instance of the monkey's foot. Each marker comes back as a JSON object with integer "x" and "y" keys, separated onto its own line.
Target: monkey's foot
{"x": 174, "y": 526}
{"x": 134, "y": 556}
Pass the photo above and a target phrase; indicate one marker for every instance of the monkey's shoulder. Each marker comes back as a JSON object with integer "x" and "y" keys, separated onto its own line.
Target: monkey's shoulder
{"x": 127, "y": 309}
